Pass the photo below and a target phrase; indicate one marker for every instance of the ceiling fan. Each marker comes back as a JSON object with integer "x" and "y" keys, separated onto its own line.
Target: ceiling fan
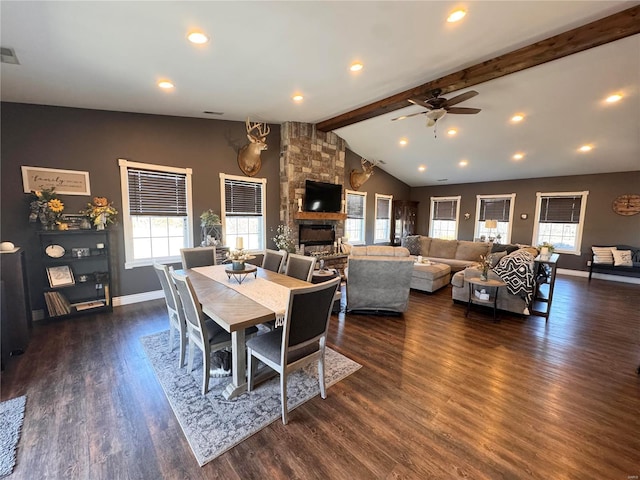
{"x": 437, "y": 107}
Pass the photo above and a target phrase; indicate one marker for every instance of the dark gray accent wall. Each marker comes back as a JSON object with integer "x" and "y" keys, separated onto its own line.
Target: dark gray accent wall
{"x": 380, "y": 182}
{"x": 602, "y": 225}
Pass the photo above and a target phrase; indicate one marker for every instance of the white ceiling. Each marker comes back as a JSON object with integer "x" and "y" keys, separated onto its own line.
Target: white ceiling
{"x": 110, "y": 55}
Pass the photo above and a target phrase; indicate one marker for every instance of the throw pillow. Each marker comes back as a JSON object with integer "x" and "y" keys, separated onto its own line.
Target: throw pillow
{"x": 622, "y": 258}
{"x": 499, "y": 247}
{"x": 603, "y": 254}
{"x": 496, "y": 257}
{"x": 412, "y": 242}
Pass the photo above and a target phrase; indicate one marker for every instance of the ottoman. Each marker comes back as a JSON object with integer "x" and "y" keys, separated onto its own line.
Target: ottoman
{"x": 429, "y": 278}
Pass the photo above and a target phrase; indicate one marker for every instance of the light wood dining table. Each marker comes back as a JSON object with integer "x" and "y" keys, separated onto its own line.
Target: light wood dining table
{"x": 235, "y": 312}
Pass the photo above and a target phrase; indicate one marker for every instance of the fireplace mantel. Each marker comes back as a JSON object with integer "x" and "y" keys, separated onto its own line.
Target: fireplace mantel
{"x": 319, "y": 216}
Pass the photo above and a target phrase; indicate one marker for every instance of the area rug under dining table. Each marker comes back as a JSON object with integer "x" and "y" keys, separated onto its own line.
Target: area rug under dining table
{"x": 212, "y": 424}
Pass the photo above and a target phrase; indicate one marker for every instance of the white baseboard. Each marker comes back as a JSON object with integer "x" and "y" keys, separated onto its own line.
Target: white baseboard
{"x": 600, "y": 276}
{"x": 137, "y": 298}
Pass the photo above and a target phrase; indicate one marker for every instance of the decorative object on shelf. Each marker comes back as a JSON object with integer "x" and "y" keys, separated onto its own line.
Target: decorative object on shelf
{"x": 357, "y": 178}
{"x": 60, "y": 276}
{"x": 47, "y": 208}
{"x": 485, "y": 265}
{"x": 80, "y": 252}
{"x": 101, "y": 212}
{"x": 283, "y": 238}
{"x": 300, "y": 204}
{"x": 211, "y": 228}
{"x": 54, "y": 251}
{"x": 627, "y": 205}
{"x": 249, "y": 159}
{"x": 6, "y": 246}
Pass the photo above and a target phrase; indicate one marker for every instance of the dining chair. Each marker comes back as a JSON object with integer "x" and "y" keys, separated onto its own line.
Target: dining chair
{"x": 177, "y": 321}
{"x": 300, "y": 266}
{"x": 198, "y": 257}
{"x": 273, "y": 260}
{"x": 202, "y": 332}
{"x": 300, "y": 341}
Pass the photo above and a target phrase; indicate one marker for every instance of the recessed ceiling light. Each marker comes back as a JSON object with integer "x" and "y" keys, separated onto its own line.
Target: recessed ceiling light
{"x": 585, "y": 148}
{"x": 518, "y": 156}
{"x": 463, "y": 163}
{"x": 517, "y": 118}
{"x": 422, "y": 168}
{"x": 356, "y": 67}
{"x": 166, "y": 84}
{"x": 452, "y": 131}
{"x": 297, "y": 98}
{"x": 198, "y": 38}
{"x": 403, "y": 141}
{"x": 616, "y": 97}
{"x": 456, "y": 16}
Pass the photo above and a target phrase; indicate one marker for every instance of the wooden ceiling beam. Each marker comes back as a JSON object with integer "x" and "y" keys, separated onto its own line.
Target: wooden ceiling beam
{"x": 605, "y": 30}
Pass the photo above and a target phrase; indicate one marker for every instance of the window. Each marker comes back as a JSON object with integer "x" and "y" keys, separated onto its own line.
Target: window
{"x": 356, "y": 216}
{"x": 383, "y": 218}
{"x": 444, "y": 217}
{"x": 559, "y": 220}
{"x": 244, "y": 203}
{"x": 498, "y": 208}
{"x": 156, "y": 210}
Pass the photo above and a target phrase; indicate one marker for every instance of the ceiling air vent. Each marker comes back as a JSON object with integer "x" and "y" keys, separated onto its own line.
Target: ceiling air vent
{"x": 209, "y": 112}
{"x": 8, "y": 55}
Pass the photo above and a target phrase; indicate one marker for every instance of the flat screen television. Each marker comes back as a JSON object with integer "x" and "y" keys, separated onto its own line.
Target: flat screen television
{"x": 322, "y": 197}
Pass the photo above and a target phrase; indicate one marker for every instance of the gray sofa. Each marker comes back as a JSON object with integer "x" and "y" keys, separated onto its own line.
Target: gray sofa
{"x": 378, "y": 279}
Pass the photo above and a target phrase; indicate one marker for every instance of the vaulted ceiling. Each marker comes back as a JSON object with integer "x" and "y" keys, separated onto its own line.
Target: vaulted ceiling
{"x": 110, "y": 56}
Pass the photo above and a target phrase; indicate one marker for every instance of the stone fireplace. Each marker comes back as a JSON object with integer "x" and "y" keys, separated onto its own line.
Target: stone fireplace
{"x": 309, "y": 154}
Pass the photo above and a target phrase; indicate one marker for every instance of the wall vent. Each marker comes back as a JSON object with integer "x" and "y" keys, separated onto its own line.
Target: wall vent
{"x": 8, "y": 55}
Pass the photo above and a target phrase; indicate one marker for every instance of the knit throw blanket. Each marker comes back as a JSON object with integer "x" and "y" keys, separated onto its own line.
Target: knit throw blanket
{"x": 516, "y": 270}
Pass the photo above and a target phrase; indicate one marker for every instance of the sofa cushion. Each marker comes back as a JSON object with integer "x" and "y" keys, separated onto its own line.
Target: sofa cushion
{"x": 603, "y": 255}
{"x": 425, "y": 244}
{"x": 412, "y": 243}
{"x": 496, "y": 257}
{"x": 443, "y": 248}
{"x": 498, "y": 247}
{"x": 622, "y": 258}
{"x": 471, "y": 250}
{"x": 358, "y": 250}
{"x": 456, "y": 265}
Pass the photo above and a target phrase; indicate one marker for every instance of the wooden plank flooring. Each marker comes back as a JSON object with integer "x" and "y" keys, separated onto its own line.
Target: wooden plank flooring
{"x": 439, "y": 396}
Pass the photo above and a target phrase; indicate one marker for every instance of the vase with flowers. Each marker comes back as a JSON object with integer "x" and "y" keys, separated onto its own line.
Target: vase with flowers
{"x": 283, "y": 238}
{"x": 47, "y": 208}
{"x": 485, "y": 266}
{"x": 237, "y": 258}
{"x": 100, "y": 212}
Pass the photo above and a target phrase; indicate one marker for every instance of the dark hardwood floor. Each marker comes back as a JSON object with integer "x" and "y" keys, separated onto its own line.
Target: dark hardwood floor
{"x": 439, "y": 396}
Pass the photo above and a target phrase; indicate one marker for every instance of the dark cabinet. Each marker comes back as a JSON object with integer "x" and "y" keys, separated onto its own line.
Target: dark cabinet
{"x": 405, "y": 217}
{"x": 76, "y": 272}
{"x": 15, "y": 307}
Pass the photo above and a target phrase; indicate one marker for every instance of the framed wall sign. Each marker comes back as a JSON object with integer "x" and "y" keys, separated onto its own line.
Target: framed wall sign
{"x": 66, "y": 182}
{"x": 61, "y": 276}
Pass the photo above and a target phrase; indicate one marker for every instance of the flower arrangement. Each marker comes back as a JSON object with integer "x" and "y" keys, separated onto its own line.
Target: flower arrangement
{"x": 485, "y": 265}
{"x": 283, "y": 239}
{"x": 209, "y": 219}
{"x": 100, "y": 212}
{"x": 46, "y": 207}
{"x": 211, "y": 228}
{"x": 238, "y": 255}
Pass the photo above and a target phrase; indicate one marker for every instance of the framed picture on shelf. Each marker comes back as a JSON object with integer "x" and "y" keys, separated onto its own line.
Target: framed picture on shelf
{"x": 60, "y": 276}
{"x": 80, "y": 252}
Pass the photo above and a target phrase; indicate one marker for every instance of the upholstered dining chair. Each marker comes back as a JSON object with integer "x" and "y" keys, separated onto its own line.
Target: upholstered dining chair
{"x": 300, "y": 267}
{"x": 198, "y": 257}
{"x": 300, "y": 341}
{"x": 177, "y": 321}
{"x": 202, "y": 332}
{"x": 273, "y": 260}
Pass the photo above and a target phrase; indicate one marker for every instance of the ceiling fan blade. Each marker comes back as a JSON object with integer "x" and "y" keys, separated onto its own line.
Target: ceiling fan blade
{"x": 461, "y": 98}
{"x": 402, "y": 117}
{"x": 421, "y": 103}
{"x": 463, "y": 110}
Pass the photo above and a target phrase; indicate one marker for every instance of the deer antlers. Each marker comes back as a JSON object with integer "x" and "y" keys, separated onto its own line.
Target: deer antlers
{"x": 357, "y": 178}
{"x": 249, "y": 159}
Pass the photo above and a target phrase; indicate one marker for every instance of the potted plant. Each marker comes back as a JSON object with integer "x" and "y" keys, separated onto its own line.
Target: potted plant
{"x": 546, "y": 249}
{"x": 211, "y": 228}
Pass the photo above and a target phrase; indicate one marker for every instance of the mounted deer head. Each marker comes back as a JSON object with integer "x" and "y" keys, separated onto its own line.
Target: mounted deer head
{"x": 357, "y": 178}
{"x": 249, "y": 156}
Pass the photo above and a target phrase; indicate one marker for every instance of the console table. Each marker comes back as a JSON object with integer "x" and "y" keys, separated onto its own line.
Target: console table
{"x": 545, "y": 274}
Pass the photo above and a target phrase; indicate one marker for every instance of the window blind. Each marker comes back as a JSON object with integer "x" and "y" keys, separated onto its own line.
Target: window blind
{"x": 560, "y": 209}
{"x": 242, "y": 198}
{"x": 382, "y": 209}
{"x": 157, "y": 193}
{"x": 495, "y": 209}
{"x": 444, "y": 209}
{"x": 355, "y": 206}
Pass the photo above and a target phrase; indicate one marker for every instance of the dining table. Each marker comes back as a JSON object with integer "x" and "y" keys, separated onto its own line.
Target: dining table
{"x": 236, "y": 306}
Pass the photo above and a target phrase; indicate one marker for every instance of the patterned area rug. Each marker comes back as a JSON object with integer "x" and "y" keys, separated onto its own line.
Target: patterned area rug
{"x": 11, "y": 418}
{"x": 213, "y": 425}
